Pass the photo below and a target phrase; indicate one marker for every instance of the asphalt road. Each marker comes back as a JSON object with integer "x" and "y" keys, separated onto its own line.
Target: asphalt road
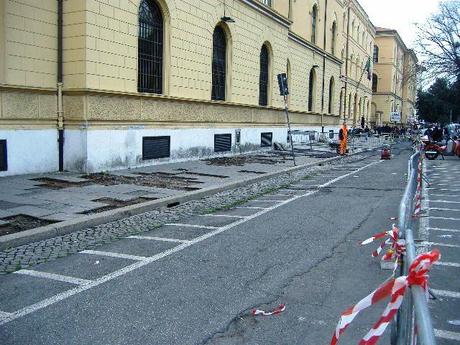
{"x": 196, "y": 282}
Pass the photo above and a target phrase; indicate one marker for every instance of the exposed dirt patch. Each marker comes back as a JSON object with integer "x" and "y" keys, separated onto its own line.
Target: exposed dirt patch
{"x": 52, "y": 183}
{"x": 157, "y": 179}
{"x": 22, "y": 222}
{"x": 114, "y": 203}
{"x": 242, "y": 160}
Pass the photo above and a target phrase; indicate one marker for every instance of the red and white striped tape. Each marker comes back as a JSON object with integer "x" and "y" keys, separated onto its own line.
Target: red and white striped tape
{"x": 395, "y": 288}
{"x": 280, "y": 309}
{"x": 393, "y": 238}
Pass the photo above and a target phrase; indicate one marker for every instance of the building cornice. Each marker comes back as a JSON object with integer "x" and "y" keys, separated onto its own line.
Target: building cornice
{"x": 303, "y": 42}
{"x": 9, "y": 87}
{"x": 269, "y": 12}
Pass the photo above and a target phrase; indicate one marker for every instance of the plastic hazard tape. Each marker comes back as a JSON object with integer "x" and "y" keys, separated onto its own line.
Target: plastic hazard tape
{"x": 258, "y": 312}
{"x": 393, "y": 288}
{"x": 397, "y": 244}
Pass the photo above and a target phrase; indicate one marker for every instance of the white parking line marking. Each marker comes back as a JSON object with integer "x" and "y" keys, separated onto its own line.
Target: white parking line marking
{"x": 444, "y": 195}
{"x": 444, "y": 209}
{"x": 258, "y": 200}
{"x": 114, "y": 255}
{"x": 442, "y": 229}
{"x": 162, "y": 239}
{"x": 194, "y": 226}
{"x": 52, "y": 276}
{"x": 444, "y": 218}
{"x": 446, "y": 293}
{"x": 448, "y": 245}
{"x": 441, "y": 189}
{"x": 445, "y": 201}
{"x": 439, "y": 333}
{"x": 254, "y": 207}
{"x": 222, "y": 215}
{"x": 448, "y": 264}
{"x": 145, "y": 261}
{"x": 4, "y": 314}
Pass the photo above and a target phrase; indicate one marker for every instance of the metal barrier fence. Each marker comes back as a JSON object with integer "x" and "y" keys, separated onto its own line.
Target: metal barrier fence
{"x": 413, "y": 319}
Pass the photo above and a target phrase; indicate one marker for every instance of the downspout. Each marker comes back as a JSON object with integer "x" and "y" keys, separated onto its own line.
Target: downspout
{"x": 60, "y": 112}
{"x": 324, "y": 65}
{"x": 346, "y": 62}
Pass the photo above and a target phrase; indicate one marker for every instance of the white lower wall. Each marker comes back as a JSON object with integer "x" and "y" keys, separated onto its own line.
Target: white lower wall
{"x": 91, "y": 150}
{"x": 30, "y": 151}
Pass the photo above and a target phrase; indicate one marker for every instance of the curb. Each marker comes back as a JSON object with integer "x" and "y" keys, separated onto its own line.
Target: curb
{"x": 68, "y": 226}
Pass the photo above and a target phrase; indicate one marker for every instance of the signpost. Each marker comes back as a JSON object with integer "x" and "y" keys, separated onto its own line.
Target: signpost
{"x": 284, "y": 91}
{"x": 395, "y": 117}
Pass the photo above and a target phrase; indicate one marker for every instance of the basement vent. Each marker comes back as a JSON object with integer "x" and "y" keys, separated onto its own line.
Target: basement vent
{"x": 222, "y": 142}
{"x": 156, "y": 147}
{"x": 3, "y": 156}
{"x": 266, "y": 139}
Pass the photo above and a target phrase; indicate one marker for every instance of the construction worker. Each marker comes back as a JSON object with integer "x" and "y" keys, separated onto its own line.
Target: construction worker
{"x": 343, "y": 136}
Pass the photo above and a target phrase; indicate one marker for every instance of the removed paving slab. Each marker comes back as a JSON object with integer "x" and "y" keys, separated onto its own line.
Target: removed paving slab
{"x": 41, "y": 200}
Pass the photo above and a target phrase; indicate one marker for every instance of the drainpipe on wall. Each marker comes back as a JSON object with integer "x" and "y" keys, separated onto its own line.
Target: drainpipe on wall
{"x": 324, "y": 65}
{"x": 60, "y": 111}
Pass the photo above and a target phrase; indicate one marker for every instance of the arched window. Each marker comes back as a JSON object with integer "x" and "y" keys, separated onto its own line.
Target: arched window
{"x": 311, "y": 90}
{"x": 219, "y": 64}
{"x": 334, "y": 32}
{"x": 376, "y": 54}
{"x": 341, "y": 106}
{"x": 314, "y": 18}
{"x": 374, "y": 82}
{"x": 264, "y": 75}
{"x": 349, "y": 104}
{"x": 150, "y": 48}
{"x": 331, "y": 95}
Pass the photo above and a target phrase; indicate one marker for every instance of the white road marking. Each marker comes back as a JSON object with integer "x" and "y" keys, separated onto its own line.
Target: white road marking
{"x": 439, "y": 333}
{"x": 258, "y": 200}
{"x": 444, "y": 218}
{"x": 145, "y": 261}
{"x": 254, "y": 207}
{"x": 194, "y": 226}
{"x": 4, "y": 314}
{"x": 448, "y": 264}
{"x": 445, "y": 195}
{"x": 222, "y": 215}
{"x": 445, "y": 293}
{"x": 424, "y": 223}
{"x": 444, "y": 209}
{"x": 52, "y": 276}
{"x": 115, "y": 255}
{"x": 441, "y": 189}
{"x": 448, "y": 245}
{"x": 442, "y": 229}
{"x": 446, "y": 201}
{"x": 162, "y": 239}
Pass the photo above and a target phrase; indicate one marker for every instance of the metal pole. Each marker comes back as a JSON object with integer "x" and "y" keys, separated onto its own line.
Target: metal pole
{"x": 289, "y": 127}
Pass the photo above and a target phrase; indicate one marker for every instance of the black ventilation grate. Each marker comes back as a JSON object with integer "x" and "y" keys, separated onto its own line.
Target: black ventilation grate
{"x": 266, "y": 139}
{"x": 3, "y": 156}
{"x": 222, "y": 142}
{"x": 156, "y": 147}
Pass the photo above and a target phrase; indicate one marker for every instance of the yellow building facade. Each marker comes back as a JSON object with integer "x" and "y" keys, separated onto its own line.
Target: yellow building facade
{"x": 394, "y": 80}
{"x": 107, "y": 84}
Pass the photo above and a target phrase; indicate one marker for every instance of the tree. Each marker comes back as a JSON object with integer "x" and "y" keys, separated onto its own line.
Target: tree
{"x": 436, "y": 104}
{"x": 438, "y": 41}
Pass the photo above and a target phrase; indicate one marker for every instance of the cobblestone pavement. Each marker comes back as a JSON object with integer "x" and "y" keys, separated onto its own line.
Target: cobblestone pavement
{"x": 47, "y": 250}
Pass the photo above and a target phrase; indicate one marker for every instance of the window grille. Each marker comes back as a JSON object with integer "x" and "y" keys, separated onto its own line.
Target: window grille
{"x": 264, "y": 74}
{"x": 3, "y": 156}
{"x": 150, "y": 48}
{"x": 156, "y": 147}
{"x": 374, "y": 83}
{"x": 376, "y": 54}
{"x": 219, "y": 64}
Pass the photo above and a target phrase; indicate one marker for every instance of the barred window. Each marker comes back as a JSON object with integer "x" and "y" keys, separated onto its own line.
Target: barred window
{"x": 376, "y": 54}
{"x": 264, "y": 75}
{"x": 219, "y": 64}
{"x": 314, "y": 16}
{"x": 150, "y": 48}
{"x": 374, "y": 82}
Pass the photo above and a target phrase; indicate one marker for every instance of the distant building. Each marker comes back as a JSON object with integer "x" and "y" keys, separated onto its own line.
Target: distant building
{"x": 394, "y": 79}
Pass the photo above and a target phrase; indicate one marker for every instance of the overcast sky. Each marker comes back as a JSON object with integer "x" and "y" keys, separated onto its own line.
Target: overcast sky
{"x": 399, "y": 15}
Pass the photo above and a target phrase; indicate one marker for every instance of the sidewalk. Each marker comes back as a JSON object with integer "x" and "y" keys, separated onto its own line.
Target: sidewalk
{"x": 40, "y": 206}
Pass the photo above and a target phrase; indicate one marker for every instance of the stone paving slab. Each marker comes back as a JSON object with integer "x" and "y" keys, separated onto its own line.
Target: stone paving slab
{"x": 84, "y": 266}
{"x": 19, "y": 291}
